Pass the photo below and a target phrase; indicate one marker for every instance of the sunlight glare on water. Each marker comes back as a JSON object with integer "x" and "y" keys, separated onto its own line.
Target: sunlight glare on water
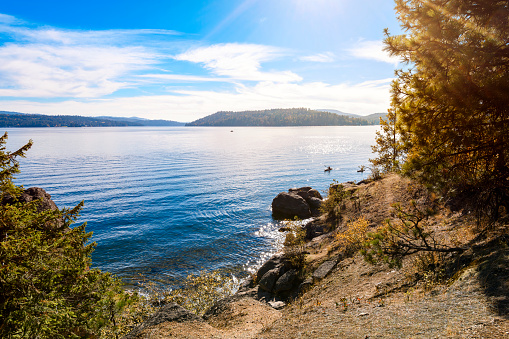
{"x": 166, "y": 202}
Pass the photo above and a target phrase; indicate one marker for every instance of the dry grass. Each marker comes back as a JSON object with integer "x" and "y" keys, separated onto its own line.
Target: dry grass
{"x": 431, "y": 296}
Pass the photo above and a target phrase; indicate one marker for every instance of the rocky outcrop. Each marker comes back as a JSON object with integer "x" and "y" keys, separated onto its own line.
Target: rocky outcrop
{"x": 316, "y": 228}
{"x": 31, "y": 194}
{"x": 43, "y": 203}
{"x": 288, "y": 206}
{"x": 297, "y": 202}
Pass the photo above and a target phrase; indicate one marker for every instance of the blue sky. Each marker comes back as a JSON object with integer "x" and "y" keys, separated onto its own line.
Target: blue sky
{"x": 182, "y": 60}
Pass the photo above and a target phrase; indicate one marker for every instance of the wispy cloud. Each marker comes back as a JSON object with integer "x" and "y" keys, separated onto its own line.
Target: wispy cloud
{"x": 45, "y": 62}
{"x": 8, "y": 19}
{"x": 239, "y": 61}
{"x": 184, "y": 78}
{"x": 45, "y": 71}
{"x": 372, "y": 50}
{"x": 83, "y": 72}
{"x": 321, "y": 57}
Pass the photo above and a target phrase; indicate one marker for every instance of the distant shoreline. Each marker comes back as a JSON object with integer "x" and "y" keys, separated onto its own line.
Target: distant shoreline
{"x": 293, "y": 117}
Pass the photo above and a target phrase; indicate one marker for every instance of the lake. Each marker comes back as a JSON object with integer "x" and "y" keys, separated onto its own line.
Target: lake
{"x": 163, "y": 202}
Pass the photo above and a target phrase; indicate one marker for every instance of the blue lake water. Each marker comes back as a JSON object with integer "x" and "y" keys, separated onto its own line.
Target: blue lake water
{"x": 165, "y": 202}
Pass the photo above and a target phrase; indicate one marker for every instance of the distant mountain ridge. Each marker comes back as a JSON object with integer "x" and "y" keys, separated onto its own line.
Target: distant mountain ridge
{"x": 269, "y": 117}
{"x": 16, "y": 119}
{"x": 335, "y": 111}
{"x": 373, "y": 119}
{"x": 282, "y": 117}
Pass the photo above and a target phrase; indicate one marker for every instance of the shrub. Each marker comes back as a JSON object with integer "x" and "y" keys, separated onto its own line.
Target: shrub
{"x": 408, "y": 234}
{"x": 48, "y": 287}
{"x": 334, "y": 204}
{"x": 200, "y": 292}
{"x": 294, "y": 245}
{"x": 354, "y": 235}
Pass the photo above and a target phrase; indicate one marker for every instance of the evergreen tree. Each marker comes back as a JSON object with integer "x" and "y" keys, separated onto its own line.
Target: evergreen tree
{"x": 388, "y": 147}
{"x": 48, "y": 289}
{"x": 453, "y": 101}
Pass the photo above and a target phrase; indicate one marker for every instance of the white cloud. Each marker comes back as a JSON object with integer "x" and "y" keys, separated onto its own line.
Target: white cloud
{"x": 185, "y": 78}
{"x": 38, "y": 70}
{"x": 7, "y": 19}
{"x": 239, "y": 61}
{"x": 189, "y": 105}
{"x": 372, "y": 50}
{"x": 321, "y": 57}
{"x": 86, "y": 66}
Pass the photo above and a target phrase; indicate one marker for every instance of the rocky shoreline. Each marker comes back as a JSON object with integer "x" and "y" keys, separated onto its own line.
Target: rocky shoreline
{"x": 277, "y": 281}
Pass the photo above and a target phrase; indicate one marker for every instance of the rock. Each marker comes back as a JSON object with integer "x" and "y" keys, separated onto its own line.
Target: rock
{"x": 306, "y": 284}
{"x": 286, "y": 281}
{"x": 315, "y": 228}
{"x": 314, "y": 194}
{"x": 302, "y": 189}
{"x": 269, "y": 279}
{"x": 269, "y": 264}
{"x": 169, "y": 312}
{"x": 324, "y": 269}
{"x": 306, "y": 192}
{"x": 314, "y": 203}
{"x": 277, "y": 304}
{"x": 45, "y": 203}
{"x": 246, "y": 285}
{"x": 31, "y": 194}
{"x": 289, "y": 205}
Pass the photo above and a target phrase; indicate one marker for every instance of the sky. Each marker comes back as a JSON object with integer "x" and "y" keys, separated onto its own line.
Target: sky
{"x": 185, "y": 59}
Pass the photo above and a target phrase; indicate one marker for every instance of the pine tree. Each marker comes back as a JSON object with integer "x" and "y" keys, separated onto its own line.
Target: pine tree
{"x": 389, "y": 146}
{"x": 453, "y": 100}
{"x": 48, "y": 289}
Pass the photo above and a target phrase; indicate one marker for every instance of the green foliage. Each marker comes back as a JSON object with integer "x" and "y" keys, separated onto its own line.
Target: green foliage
{"x": 48, "y": 287}
{"x": 279, "y": 117}
{"x": 452, "y": 103}
{"x": 388, "y": 147}
{"x": 295, "y": 245}
{"x": 40, "y": 120}
{"x": 408, "y": 234}
{"x": 334, "y": 204}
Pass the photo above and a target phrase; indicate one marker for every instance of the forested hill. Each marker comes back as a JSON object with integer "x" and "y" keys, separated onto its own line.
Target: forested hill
{"x": 279, "y": 117}
{"x": 14, "y": 119}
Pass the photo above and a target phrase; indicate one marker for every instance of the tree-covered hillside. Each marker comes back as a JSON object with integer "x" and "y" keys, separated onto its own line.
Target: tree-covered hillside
{"x": 145, "y": 122}
{"x": 15, "y": 119}
{"x": 39, "y": 120}
{"x": 278, "y": 117}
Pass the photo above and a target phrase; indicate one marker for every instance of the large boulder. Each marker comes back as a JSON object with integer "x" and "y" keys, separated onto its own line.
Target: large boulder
{"x": 276, "y": 260}
{"x": 306, "y": 192}
{"x": 269, "y": 279}
{"x": 286, "y": 281}
{"x": 288, "y": 205}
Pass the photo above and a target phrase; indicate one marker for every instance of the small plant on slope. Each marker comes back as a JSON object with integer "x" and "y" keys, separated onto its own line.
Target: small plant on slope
{"x": 408, "y": 234}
